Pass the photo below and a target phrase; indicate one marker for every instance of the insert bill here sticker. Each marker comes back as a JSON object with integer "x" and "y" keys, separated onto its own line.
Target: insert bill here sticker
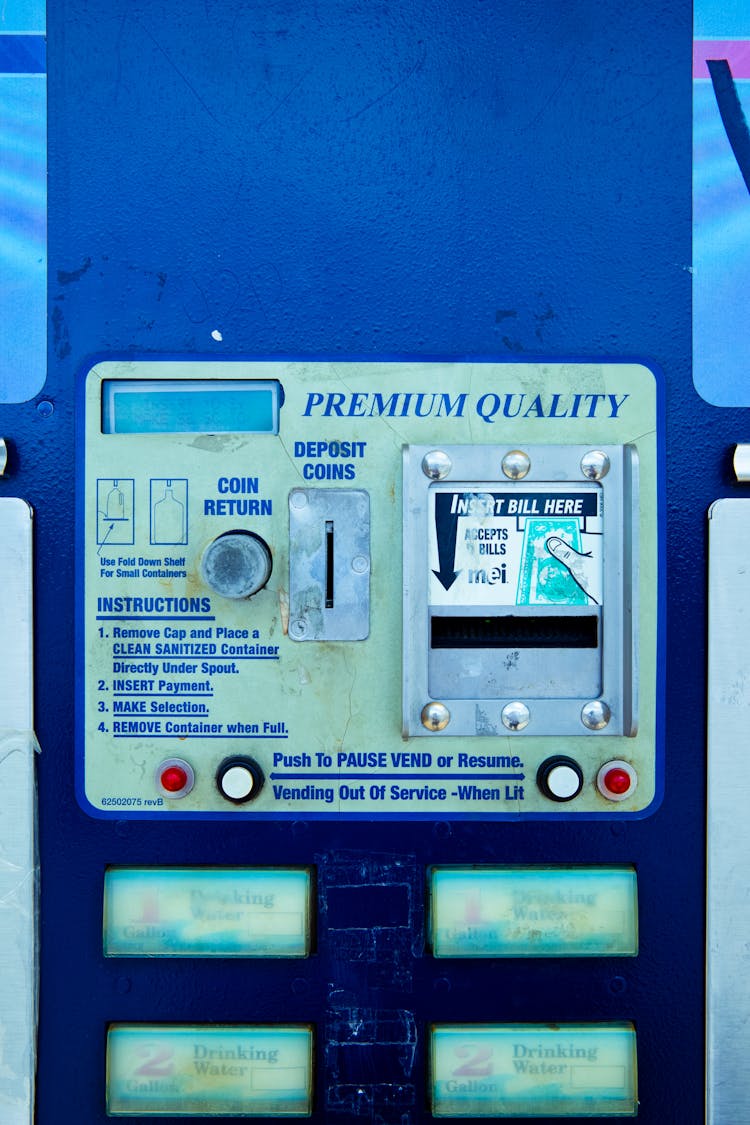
{"x": 540, "y": 546}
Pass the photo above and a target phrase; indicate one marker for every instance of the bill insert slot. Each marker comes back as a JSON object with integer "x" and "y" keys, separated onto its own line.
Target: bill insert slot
{"x": 514, "y": 631}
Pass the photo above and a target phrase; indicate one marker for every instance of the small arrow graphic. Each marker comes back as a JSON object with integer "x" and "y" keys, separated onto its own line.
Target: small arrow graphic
{"x": 446, "y": 529}
{"x": 106, "y": 537}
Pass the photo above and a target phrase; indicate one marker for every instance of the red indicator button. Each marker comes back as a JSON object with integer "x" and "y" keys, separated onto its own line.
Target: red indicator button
{"x": 174, "y": 778}
{"x": 616, "y": 780}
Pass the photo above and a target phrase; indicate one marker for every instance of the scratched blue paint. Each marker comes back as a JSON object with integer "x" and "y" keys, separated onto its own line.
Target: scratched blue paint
{"x": 358, "y": 178}
{"x": 23, "y": 232}
{"x": 721, "y": 218}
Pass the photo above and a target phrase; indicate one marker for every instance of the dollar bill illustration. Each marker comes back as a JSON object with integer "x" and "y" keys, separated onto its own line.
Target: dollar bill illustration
{"x": 547, "y": 572}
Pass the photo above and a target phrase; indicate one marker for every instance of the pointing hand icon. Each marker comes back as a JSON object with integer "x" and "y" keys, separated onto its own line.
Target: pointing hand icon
{"x": 581, "y": 567}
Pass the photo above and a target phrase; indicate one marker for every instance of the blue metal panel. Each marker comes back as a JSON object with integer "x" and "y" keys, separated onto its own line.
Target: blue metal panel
{"x": 350, "y": 178}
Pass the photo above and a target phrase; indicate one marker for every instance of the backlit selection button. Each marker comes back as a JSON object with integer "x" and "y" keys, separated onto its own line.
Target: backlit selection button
{"x": 174, "y": 777}
{"x": 507, "y": 912}
{"x": 209, "y": 1071}
{"x": 239, "y": 779}
{"x": 206, "y": 912}
{"x": 534, "y": 1070}
{"x": 616, "y": 780}
{"x": 560, "y": 778}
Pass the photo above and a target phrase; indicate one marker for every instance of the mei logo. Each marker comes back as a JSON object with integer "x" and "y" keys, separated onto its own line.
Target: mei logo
{"x": 489, "y": 577}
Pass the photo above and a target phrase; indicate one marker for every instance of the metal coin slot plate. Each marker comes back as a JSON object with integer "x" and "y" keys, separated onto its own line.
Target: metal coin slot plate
{"x": 329, "y": 564}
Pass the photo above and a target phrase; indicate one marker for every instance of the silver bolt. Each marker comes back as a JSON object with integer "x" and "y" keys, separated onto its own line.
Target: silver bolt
{"x": 596, "y": 714}
{"x": 436, "y": 465}
{"x": 595, "y": 464}
{"x": 360, "y": 564}
{"x": 516, "y": 464}
{"x": 298, "y": 498}
{"x": 435, "y": 716}
{"x": 515, "y": 715}
{"x": 298, "y": 628}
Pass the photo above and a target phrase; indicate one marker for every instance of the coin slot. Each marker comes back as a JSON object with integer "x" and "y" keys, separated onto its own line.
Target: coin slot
{"x": 329, "y": 564}
{"x": 515, "y": 631}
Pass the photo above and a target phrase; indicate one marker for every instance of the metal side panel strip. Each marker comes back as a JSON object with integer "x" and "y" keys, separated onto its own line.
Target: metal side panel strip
{"x": 18, "y": 968}
{"x": 728, "y": 823}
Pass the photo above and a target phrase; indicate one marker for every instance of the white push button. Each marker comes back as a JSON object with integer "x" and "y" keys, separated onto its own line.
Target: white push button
{"x": 560, "y": 778}
{"x": 239, "y": 779}
{"x": 237, "y": 783}
{"x": 563, "y": 782}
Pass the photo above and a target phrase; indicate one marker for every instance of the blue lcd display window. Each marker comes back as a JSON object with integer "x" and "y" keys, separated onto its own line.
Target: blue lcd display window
{"x": 190, "y": 406}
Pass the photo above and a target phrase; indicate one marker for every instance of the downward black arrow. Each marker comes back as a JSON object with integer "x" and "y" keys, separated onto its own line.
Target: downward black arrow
{"x": 446, "y": 529}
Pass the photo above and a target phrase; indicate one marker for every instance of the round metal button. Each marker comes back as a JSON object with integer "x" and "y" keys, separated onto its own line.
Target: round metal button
{"x": 237, "y": 564}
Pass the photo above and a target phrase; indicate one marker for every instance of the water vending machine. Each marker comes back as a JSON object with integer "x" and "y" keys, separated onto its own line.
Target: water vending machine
{"x": 374, "y": 582}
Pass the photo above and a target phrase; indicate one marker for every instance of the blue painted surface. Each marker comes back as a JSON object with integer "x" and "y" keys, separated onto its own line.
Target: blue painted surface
{"x": 18, "y": 16}
{"x": 23, "y": 217}
{"x": 358, "y": 178}
{"x": 22, "y": 54}
{"x": 721, "y": 19}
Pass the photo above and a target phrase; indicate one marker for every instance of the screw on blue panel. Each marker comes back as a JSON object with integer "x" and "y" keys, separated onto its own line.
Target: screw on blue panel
{"x": 45, "y": 408}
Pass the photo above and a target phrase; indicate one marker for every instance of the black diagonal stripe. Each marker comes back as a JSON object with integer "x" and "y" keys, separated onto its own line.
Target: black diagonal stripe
{"x": 732, "y": 114}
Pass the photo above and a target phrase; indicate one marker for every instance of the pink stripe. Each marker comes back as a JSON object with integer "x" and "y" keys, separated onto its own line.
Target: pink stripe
{"x": 735, "y": 51}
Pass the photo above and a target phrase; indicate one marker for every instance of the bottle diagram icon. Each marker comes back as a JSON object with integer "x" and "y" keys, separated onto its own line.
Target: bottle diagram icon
{"x": 115, "y": 511}
{"x": 169, "y": 511}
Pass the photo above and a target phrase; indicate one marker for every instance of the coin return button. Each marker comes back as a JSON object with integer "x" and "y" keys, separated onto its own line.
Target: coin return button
{"x": 237, "y": 565}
